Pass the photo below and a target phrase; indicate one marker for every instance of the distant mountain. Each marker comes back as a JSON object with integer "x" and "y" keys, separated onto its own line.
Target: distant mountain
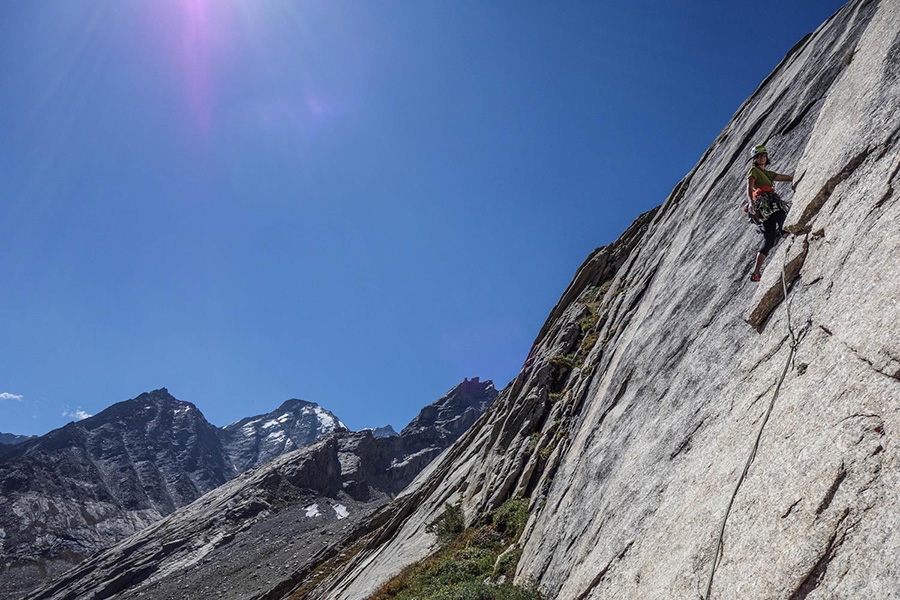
{"x": 79, "y": 488}
{"x": 438, "y": 425}
{"x": 296, "y": 423}
{"x": 386, "y": 431}
{"x": 11, "y": 439}
{"x": 258, "y": 535}
{"x": 82, "y": 487}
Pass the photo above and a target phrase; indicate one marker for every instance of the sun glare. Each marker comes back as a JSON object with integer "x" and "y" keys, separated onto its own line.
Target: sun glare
{"x": 269, "y": 67}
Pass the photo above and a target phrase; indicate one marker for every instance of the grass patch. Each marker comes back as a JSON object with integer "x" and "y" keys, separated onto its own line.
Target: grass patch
{"x": 587, "y": 344}
{"x": 465, "y": 568}
{"x": 511, "y": 517}
{"x": 565, "y": 363}
{"x": 545, "y": 452}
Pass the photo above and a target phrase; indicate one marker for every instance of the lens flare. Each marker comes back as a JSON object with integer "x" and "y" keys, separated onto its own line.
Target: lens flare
{"x": 275, "y": 65}
{"x": 195, "y": 61}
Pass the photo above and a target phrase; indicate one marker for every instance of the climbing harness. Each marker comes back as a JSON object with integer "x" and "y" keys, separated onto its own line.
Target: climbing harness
{"x": 796, "y": 338}
{"x": 767, "y": 202}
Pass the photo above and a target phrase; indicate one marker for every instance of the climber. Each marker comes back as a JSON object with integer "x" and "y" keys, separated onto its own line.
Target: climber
{"x": 764, "y": 205}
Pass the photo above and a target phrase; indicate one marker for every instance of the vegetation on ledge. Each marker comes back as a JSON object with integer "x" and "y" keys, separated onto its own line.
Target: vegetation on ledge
{"x": 477, "y": 563}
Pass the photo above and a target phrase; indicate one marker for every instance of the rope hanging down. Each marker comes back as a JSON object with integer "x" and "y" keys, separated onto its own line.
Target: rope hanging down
{"x": 796, "y": 338}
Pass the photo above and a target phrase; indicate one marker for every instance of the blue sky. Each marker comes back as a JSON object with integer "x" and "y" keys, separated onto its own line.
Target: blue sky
{"x": 353, "y": 203}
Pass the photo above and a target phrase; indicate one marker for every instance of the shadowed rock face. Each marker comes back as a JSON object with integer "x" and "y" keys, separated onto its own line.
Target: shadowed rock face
{"x": 11, "y": 439}
{"x": 386, "y": 431}
{"x": 436, "y": 427}
{"x": 79, "y": 488}
{"x": 638, "y": 406}
{"x": 263, "y": 532}
{"x": 216, "y": 536}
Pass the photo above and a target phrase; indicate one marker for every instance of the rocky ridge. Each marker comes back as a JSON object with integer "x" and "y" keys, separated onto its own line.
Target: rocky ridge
{"x": 91, "y": 483}
{"x": 79, "y": 488}
{"x": 11, "y": 439}
{"x": 260, "y": 534}
{"x": 636, "y": 411}
{"x": 253, "y": 441}
{"x": 386, "y": 431}
{"x": 437, "y": 426}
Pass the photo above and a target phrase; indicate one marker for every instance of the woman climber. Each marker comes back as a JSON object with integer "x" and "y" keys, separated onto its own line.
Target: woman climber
{"x": 765, "y": 206}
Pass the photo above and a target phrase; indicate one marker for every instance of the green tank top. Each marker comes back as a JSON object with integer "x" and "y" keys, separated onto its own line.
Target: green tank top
{"x": 761, "y": 178}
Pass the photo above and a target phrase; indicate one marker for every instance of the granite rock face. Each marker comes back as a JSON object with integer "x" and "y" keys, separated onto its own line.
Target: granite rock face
{"x": 638, "y": 408}
{"x": 261, "y": 534}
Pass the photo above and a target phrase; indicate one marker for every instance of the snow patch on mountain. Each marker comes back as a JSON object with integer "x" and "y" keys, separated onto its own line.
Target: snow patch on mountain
{"x": 327, "y": 421}
{"x": 256, "y": 440}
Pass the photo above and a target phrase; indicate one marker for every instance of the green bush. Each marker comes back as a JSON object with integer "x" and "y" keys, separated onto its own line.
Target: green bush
{"x": 562, "y": 362}
{"x": 587, "y": 323}
{"x": 587, "y": 344}
{"x": 511, "y": 517}
{"x": 506, "y": 564}
{"x": 447, "y": 526}
{"x": 546, "y": 451}
{"x": 463, "y": 565}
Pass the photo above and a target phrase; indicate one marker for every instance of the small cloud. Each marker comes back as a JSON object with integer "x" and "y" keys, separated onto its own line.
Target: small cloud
{"x": 8, "y": 396}
{"x": 77, "y": 414}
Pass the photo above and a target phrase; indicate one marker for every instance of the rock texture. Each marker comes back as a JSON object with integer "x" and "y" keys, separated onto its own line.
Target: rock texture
{"x": 639, "y": 405}
{"x": 261, "y": 534}
{"x": 252, "y": 441}
{"x": 11, "y": 439}
{"x": 437, "y": 426}
{"x": 386, "y": 431}
{"x": 81, "y": 488}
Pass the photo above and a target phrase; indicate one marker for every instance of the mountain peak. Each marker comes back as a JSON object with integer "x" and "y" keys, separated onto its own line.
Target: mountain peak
{"x": 11, "y": 439}
{"x": 161, "y": 394}
{"x": 296, "y": 423}
{"x": 459, "y": 407}
{"x": 350, "y": 474}
{"x": 386, "y": 431}
{"x": 473, "y": 385}
{"x": 293, "y": 404}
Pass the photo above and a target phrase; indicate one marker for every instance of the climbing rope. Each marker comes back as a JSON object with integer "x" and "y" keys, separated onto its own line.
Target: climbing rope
{"x": 796, "y": 338}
